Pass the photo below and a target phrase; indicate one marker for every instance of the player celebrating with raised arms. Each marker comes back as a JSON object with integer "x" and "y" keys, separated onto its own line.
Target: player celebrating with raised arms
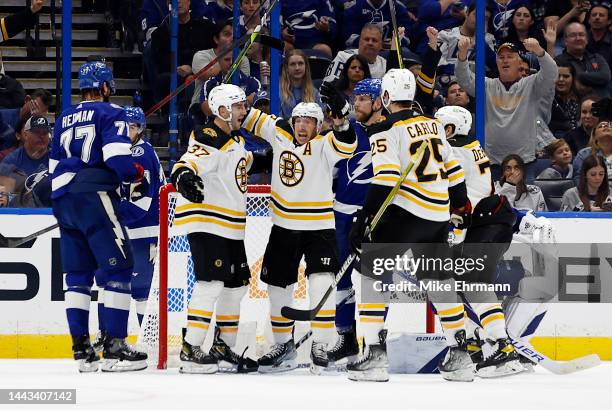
{"x": 302, "y": 218}
{"x": 212, "y": 176}
{"x": 90, "y": 157}
{"x": 492, "y": 224}
{"x": 419, "y": 213}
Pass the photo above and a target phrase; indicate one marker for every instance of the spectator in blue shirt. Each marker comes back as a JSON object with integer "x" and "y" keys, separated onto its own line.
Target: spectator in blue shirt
{"x": 33, "y": 156}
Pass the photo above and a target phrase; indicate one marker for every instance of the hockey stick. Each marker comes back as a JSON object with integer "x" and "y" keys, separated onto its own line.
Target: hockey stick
{"x": 270, "y": 41}
{"x": 247, "y": 47}
{"x": 396, "y": 33}
{"x": 307, "y": 315}
{"x": 15, "y": 242}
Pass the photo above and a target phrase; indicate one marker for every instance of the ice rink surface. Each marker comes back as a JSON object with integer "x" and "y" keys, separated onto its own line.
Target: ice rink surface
{"x": 298, "y": 390}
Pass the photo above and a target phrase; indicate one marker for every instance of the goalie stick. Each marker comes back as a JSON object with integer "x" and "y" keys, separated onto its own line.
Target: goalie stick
{"x": 15, "y": 242}
{"x": 308, "y": 315}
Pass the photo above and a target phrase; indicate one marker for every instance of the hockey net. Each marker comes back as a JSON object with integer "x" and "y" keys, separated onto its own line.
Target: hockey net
{"x": 173, "y": 282}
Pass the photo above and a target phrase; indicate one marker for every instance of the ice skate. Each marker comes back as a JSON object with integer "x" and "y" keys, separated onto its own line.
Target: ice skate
{"x": 346, "y": 350}
{"x": 195, "y": 361}
{"x": 119, "y": 356}
{"x": 228, "y": 360}
{"x": 281, "y": 358}
{"x": 98, "y": 343}
{"x": 85, "y": 355}
{"x": 374, "y": 365}
{"x": 457, "y": 364}
{"x": 318, "y": 357}
{"x": 503, "y": 362}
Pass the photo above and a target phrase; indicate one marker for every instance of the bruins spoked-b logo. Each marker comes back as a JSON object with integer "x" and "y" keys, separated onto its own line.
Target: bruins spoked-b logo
{"x": 241, "y": 175}
{"x": 290, "y": 168}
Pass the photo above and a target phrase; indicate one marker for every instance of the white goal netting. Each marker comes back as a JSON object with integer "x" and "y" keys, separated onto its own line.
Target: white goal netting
{"x": 173, "y": 281}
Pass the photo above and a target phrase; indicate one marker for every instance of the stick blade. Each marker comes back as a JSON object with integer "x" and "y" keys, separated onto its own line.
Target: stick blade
{"x": 297, "y": 314}
{"x": 579, "y": 364}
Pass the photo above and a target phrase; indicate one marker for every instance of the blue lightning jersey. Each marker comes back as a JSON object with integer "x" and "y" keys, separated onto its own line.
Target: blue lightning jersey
{"x": 90, "y": 150}
{"x": 301, "y": 16}
{"x": 140, "y": 213}
{"x": 211, "y": 10}
{"x": 360, "y": 12}
{"x": 354, "y": 174}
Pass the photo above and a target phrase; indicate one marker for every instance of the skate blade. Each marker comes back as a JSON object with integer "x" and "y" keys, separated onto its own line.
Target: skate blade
{"x": 227, "y": 367}
{"x": 504, "y": 370}
{"x": 372, "y": 375}
{"x": 460, "y": 375}
{"x": 115, "y": 365}
{"x": 283, "y": 367}
{"x": 88, "y": 367}
{"x": 194, "y": 368}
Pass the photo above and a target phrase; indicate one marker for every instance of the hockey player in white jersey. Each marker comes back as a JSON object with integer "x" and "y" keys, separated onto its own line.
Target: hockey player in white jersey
{"x": 212, "y": 177}
{"x": 491, "y": 229}
{"x": 303, "y": 219}
{"x": 419, "y": 213}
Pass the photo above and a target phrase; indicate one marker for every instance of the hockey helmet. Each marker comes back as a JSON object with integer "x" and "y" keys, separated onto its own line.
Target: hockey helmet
{"x": 368, "y": 86}
{"x": 92, "y": 75}
{"x": 397, "y": 85}
{"x": 456, "y": 116}
{"x": 135, "y": 115}
{"x": 225, "y": 95}
{"x": 311, "y": 110}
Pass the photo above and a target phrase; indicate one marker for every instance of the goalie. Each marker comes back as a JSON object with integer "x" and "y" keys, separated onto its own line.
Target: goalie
{"x": 303, "y": 219}
{"x": 212, "y": 175}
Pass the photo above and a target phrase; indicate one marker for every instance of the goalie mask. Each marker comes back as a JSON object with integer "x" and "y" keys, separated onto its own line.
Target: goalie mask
{"x": 225, "y": 95}
{"x": 397, "y": 85}
{"x": 311, "y": 110}
{"x": 458, "y": 117}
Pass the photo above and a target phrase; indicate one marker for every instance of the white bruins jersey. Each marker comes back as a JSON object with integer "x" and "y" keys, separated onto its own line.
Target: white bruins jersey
{"x": 302, "y": 175}
{"x": 447, "y": 44}
{"x": 424, "y": 191}
{"x": 378, "y": 68}
{"x": 476, "y": 166}
{"x": 222, "y": 163}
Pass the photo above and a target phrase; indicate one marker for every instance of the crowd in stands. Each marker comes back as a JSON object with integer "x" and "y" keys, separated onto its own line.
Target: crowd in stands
{"x": 547, "y": 64}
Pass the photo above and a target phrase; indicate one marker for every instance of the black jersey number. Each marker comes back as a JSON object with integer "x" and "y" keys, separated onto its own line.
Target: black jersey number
{"x": 198, "y": 151}
{"x": 432, "y": 149}
{"x": 378, "y": 146}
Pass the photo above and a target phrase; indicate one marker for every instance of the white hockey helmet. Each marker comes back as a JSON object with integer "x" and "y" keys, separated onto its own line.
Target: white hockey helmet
{"x": 225, "y": 95}
{"x": 311, "y": 110}
{"x": 456, "y": 116}
{"x": 397, "y": 85}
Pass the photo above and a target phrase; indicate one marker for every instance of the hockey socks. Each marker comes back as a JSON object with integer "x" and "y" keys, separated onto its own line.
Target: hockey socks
{"x": 371, "y": 311}
{"x": 200, "y": 311}
{"x": 78, "y": 299}
{"x": 117, "y": 300}
{"x": 323, "y": 326}
{"x": 228, "y": 313}
{"x": 282, "y": 328}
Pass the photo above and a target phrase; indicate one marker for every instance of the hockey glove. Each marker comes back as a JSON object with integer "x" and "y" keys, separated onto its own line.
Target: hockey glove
{"x": 190, "y": 186}
{"x": 356, "y": 236}
{"x": 338, "y": 105}
{"x": 462, "y": 218}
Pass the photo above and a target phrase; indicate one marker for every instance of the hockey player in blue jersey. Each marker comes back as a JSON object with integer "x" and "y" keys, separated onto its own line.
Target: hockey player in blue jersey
{"x": 90, "y": 157}
{"x": 140, "y": 209}
{"x": 352, "y": 182}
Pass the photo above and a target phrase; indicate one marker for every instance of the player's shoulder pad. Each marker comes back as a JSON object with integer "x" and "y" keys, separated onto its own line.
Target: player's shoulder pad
{"x": 210, "y": 134}
{"x": 462, "y": 141}
{"x": 385, "y": 123}
{"x": 533, "y": 189}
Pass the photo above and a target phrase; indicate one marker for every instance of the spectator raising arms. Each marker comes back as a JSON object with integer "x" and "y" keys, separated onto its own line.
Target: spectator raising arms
{"x": 600, "y": 145}
{"x": 512, "y": 103}
{"x": 296, "y": 84}
{"x": 561, "y": 156}
{"x": 593, "y": 191}
{"x": 513, "y": 186}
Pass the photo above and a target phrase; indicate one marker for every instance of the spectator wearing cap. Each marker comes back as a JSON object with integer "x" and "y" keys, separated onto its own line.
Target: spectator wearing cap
{"x": 510, "y": 118}
{"x": 592, "y": 69}
{"x": 600, "y": 38}
{"x": 36, "y": 103}
{"x": 33, "y": 156}
{"x": 262, "y": 101}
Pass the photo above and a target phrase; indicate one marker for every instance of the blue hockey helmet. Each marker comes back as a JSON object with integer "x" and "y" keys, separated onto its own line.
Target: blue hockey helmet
{"x": 135, "y": 115}
{"x": 368, "y": 86}
{"x": 92, "y": 75}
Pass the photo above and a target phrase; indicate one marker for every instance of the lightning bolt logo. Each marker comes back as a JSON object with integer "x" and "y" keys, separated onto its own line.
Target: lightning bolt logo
{"x": 110, "y": 212}
{"x": 363, "y": 164}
